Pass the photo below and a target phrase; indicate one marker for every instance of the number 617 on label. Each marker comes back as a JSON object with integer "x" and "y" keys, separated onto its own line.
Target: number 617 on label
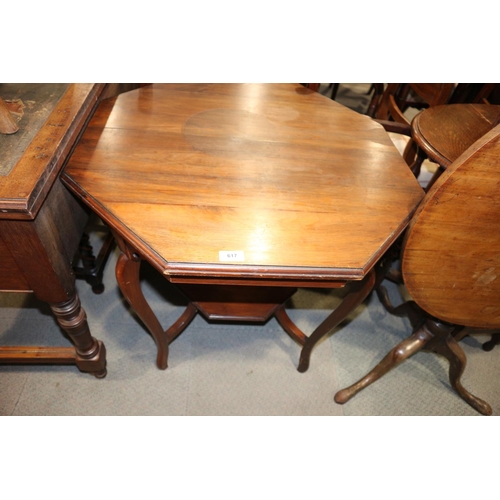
{"x": 231, "y": 256}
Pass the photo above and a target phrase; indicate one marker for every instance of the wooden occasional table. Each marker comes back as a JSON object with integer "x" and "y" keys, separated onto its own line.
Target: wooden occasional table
{"x": 40, "y": 221}
{"x": 239, "y": 194}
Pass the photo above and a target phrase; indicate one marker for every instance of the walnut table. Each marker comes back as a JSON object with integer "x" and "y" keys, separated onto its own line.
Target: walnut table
{"x": 239, "y": 194}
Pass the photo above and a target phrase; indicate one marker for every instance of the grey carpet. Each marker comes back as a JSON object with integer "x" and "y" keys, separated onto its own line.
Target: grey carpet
{"x": 214, "y": 369}
{"x": 230, "y": 369}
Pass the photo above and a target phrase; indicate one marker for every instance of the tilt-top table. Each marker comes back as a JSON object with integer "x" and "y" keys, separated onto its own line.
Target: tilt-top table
{"x": 239, "y": 194}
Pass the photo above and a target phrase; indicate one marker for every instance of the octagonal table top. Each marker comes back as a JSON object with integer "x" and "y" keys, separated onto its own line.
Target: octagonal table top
{"x": 244, "y": 180}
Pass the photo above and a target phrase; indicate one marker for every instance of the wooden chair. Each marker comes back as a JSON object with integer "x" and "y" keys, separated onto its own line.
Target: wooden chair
{"x": 378, "y": 92}
{"x": 444, "y": 132}
{"x": 483, "y": 93}
{"x": 388, "y": 109}
{"x": 85, "y": 264}
{"x": 451, "y": 266}
{"x": 398, "y": 97}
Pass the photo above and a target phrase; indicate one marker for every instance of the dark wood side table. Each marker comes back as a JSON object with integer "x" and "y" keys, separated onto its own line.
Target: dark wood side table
{"x": 239, "y": 194}
{"x": 40, "y": 221}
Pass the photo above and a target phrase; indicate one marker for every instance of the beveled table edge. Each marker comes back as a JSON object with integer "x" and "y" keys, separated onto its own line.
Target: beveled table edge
{"x": 187, "y": 272}
{"x": 27, "y": 208}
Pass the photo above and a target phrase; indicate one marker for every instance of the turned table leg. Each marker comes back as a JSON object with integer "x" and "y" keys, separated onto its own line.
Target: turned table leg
{"x": 39, "y": 251}
{"x": 90, "y": 353}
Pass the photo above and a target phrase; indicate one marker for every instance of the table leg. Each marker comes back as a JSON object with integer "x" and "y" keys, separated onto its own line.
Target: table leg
{"x": 352, "y": 300}
{"x": 289, "y": 326}
{"x": 127, "y": 276}
{"x": 431, "y": 336}
{"x": 451, "y": 350}
{"x": 393, "y": 358}
{"x": 229, "y": 303}
{"x": 90, "y": 353}
{"x": 41, "y": 249}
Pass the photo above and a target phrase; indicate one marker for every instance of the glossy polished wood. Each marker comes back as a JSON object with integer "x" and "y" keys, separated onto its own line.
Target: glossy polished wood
{"x": 294, "y": 180}
{"x": 445, "y": 132}
{"x": 306, "y": 191}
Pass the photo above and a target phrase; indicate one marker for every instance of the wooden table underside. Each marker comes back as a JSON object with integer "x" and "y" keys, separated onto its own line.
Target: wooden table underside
{"x": 239, "y": 301}
{"x": 311, "y": 194}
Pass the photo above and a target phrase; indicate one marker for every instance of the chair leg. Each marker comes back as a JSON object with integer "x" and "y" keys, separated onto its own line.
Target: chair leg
{"x": 414, "y": 156}
{"x": 335, "y": 88}
{"x": 378, "y": 90}
{"x": 93, "y": 267}
{"x": 89, "y": 265}
{"x": 495, "y": 340}
{"x": 434, "y": 177}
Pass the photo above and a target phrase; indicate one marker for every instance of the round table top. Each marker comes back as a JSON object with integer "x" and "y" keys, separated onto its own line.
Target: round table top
{"x": 445, "y": 132}
{"x": 451, "y": 252}
{"x": 252, "y": 180}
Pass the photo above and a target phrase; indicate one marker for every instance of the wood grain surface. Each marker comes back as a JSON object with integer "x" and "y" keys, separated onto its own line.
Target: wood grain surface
{"x": 451, "y": 253}
{"x": 445, "y": 132}
{"x": 303, "y": 186}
